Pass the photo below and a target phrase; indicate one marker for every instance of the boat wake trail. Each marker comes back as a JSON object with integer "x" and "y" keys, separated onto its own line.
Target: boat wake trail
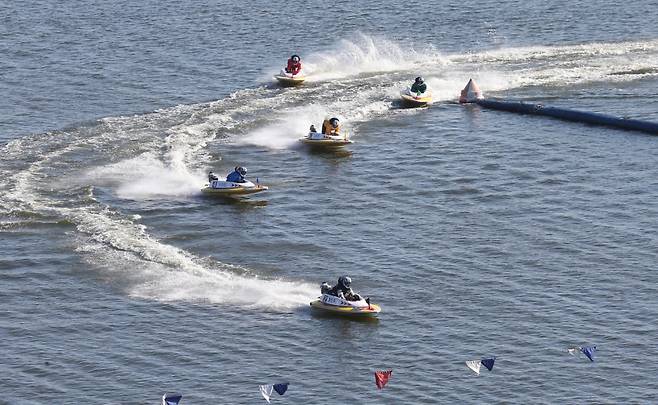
{"x": 82, "y": 175}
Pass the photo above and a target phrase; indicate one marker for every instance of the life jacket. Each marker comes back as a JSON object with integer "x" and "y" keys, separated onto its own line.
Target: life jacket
{"x": 419, "y": 88}
{"x": 329, "y": 129}
{"x": 337, "y": 289}
{"x": 235, "y": 177}
{"x": 293, "y": 67}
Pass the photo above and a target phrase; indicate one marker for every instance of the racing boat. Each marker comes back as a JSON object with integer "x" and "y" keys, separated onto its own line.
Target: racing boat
{"x": 232, "y": 189}
{"x": 288, "y": 79}
{"x": 316, "y": 139}
{"x": 411, "y": 99}
{"x": 331, "y": 304}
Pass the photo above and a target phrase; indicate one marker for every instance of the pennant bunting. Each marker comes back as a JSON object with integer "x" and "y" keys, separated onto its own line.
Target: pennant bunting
{"x": 474, "y": 365}
{"x": 586, "y": 350}
{"x": 382, "y": 377}
{"x": 266, "y": 391}
{"x": 171, "y": 399}
{"x": 589, "y": 352}
{"x": 281, "y": 388}
{"x": 488, "y": 363}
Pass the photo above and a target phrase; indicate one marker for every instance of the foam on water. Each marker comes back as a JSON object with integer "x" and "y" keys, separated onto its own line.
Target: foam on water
{"x": 150, "y": 269}
{"x": 146, "y": 176}
{"x": 361, "y": 54}
{"x": 287, "y": 128}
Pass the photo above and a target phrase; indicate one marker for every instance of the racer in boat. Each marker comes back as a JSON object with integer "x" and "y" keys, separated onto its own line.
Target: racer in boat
{"x": 294, "y": 65}
{"x": 343, "y": 290}
{"x": 331, "y": 126}
{"x": 237, "y": 175}
{"x": 419, "y": 87}
{"x": 211, "y": 177}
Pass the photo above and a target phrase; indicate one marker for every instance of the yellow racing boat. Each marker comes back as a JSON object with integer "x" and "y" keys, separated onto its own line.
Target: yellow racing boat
{"x": 316, "y": 139}
{"x": 411, "y": 99}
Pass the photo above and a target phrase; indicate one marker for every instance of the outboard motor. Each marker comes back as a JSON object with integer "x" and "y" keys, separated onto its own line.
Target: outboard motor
{"x": 324, "y": 288}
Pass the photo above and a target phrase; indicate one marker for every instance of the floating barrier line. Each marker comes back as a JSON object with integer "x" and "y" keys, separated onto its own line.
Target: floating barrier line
{"x": 472, "y": 94}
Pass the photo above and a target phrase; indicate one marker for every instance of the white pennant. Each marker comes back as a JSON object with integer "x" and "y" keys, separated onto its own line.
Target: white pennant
{"x": 474, "y": 365}
{"x": 266, "y": 391}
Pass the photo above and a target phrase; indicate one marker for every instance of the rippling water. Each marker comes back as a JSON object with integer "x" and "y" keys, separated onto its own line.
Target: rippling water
{"x": 480, "y": 233}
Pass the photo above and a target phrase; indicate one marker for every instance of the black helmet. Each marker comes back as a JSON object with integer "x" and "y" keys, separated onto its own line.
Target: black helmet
{"x": 344, "y": 281}
{"x": 295, "y": 58}
{"x": 334, "y": 121}
{"x": 241, "y": 170}
{"x": 419, "y": 79}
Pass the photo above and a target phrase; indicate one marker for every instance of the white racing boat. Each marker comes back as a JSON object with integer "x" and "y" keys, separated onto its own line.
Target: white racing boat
{"x": 332, "y": 304}
{"x": 288, "y": 79}
{"x": 232, "y": 189}
{"x": 317, "y": 139}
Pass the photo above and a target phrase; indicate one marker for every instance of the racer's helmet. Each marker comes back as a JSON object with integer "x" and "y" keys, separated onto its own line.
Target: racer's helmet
{"x": 295, "y": 58}
{"x": 334, "y": 122}
{"x": 344, "y": 281}
{"x": 241, "y": 170}
{"x": 420, "y": 80}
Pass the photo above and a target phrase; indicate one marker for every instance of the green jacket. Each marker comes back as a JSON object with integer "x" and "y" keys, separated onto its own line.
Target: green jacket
{"x": 418, "y": 88}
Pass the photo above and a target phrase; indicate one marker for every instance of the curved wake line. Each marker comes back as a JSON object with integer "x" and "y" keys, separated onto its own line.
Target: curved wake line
{"x": 153, "y": 270}
{"x": 127, "y": 255}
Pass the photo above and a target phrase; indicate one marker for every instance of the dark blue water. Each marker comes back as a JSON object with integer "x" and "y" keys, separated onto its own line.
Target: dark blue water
{"x": 480, "y": 233}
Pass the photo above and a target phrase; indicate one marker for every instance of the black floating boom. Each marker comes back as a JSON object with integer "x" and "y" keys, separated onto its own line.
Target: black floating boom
{"x": 571, "y": 115}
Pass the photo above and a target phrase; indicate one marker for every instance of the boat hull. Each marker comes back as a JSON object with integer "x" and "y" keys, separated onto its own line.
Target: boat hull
{"x": 372, "y": 311}
{"x": 290, "y": 80}
{"x": 318, "y": 140}
{"x": 233, "y": 191}
{"x": 415, "y": 101}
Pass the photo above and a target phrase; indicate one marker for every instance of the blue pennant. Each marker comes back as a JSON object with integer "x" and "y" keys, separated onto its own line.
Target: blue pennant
{"x": 171, "y": 399}
{"x": 488, "y": 363}
{"x": 281, "y": 388}
{"x": 589, "y": 351}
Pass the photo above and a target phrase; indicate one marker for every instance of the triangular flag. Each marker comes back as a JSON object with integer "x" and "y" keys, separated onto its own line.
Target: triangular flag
{"x": 171, "y": 399}
{"x": 474, "y": 365}
{"x": 488, "y": 363}
{"x": 589, "y": 352}
{"x": 382, "y": 377}
{"x": 281, "y": 388}
{"x": 266, "y": 391}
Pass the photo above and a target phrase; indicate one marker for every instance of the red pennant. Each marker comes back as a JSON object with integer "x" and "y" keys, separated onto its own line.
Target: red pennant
{"x": 381, "y": 378}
